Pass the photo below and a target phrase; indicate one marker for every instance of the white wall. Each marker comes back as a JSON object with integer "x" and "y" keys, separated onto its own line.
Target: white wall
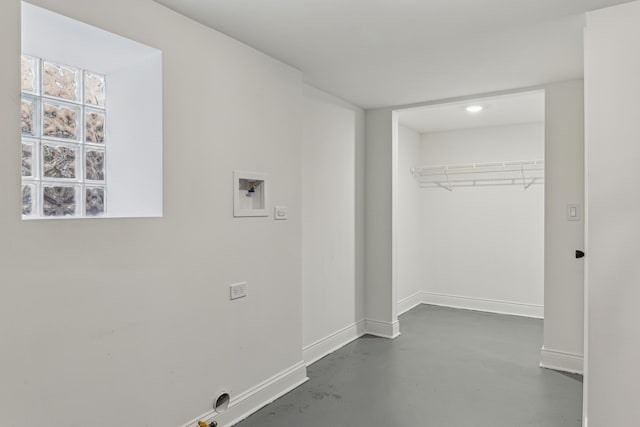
{"x": 612, "y": 67}
{"x": 128, "y": 322}
{"x": 332, "y": 298}
{"x": 410, "y": 224}
{"x": 564, "y": 182}
{"x": 380, "y": 300}
{"x": 484, "y": 244}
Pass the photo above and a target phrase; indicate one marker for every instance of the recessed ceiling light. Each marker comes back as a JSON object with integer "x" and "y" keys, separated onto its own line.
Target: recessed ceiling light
{"x": 474, "y": 108}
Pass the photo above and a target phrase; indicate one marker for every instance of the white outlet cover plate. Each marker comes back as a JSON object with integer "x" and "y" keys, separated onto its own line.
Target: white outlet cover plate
{"x": 281, "y": 212}
{"x": 238, "y": 290}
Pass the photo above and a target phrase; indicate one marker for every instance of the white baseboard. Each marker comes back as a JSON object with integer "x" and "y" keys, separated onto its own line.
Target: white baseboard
{"x": 250, "y": 401}
{"x": 561, "y": 361}
{"x": 327, "y": 345}
{"x": 482, "y": 304}
{"x": 377, "y": 328}
{"x": 409, "y": 302}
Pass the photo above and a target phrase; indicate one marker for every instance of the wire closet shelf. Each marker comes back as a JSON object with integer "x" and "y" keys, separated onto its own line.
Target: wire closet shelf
{"x": 519, "y": 172}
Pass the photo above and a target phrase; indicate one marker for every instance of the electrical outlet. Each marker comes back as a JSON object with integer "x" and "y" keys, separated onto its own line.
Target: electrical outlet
{"x": 281, "y": 213}
{"x": 239, "y": 290}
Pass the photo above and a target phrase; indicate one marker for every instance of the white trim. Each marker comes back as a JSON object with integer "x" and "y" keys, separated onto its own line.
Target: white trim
{"x": 327, "y": 345}
{"x": 483, "y": 304}
{"x": 561, "y": 361}
{"x": 255, "y": 398}
{"x": 409, "y": 302}
{"x": 587, "y": 247}
{"x": 395, "y": 209}
{"x": 380, "y": 329}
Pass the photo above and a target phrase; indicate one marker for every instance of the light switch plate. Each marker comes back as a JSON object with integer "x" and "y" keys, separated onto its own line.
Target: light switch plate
{"x": 281, "y": 212}
{"x": 239, "y": 290}
{"x": 573, "y": 212}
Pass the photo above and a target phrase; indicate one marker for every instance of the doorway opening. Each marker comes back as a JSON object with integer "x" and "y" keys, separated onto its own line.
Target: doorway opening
{"x": 468, "y": 205}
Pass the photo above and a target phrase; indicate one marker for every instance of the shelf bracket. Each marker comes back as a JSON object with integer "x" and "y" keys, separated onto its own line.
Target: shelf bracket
{"x": 448, "y": 188}
{"x": 531, "y": 183}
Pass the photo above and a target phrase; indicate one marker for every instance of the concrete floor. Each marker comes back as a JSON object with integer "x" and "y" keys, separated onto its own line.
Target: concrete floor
{"x": 449, "y": 368}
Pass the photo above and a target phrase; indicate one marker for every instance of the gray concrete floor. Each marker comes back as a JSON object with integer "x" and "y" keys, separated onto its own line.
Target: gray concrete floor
{"x": 449, "y": 368}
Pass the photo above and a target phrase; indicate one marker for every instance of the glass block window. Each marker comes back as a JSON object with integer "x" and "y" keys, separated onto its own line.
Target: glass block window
{"x": 63, "y": 121}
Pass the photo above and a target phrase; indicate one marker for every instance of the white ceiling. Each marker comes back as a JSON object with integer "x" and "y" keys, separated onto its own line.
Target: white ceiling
{"x": 519, "y": 108}
{"x": 378, "y": 53}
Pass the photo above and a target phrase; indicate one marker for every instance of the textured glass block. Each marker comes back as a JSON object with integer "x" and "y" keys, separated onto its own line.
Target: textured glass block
{"x": 29, "y": 116}
{"x": 60, "y": 81}
{"x": 29, "y": 74}
{"x": 58, "y": 161}
{"x": 94, "y": 164}
{"x": 27, "y": 160}
{"x": 59, "y": 200}
{"x": 60, "y": 120}
{"x": 94, "y": 89}
{"x": 94, "y": 201}
{"x": 94, "y": 124}
{"x": 28, "y": 192}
